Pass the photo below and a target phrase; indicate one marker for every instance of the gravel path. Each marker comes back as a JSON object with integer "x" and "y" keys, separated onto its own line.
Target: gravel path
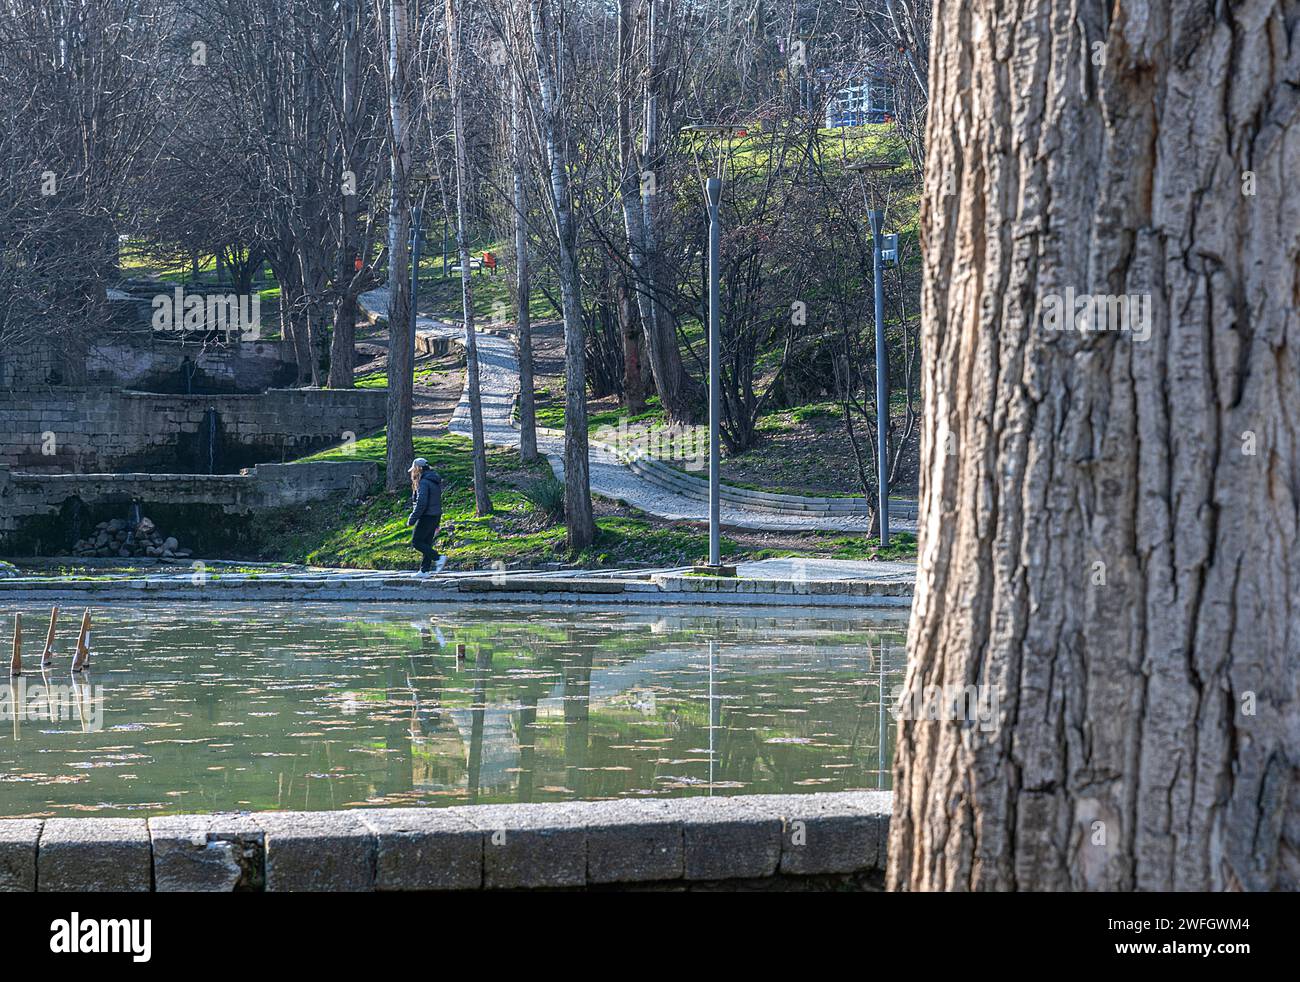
{"x": 499, "y": 385}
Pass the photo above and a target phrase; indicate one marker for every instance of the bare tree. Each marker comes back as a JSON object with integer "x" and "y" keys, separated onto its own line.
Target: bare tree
{"x": 482, "y": 500}
{"x": 642, "y": 175}
{"x": 555, "y": 138}
{"x": 400, "y": 449}
{"x": 356, "y": 141}
{"x": 523, "y": 278}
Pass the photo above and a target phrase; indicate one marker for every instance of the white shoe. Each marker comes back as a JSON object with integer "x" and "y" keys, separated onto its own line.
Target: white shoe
{"x": 441, "y": 562}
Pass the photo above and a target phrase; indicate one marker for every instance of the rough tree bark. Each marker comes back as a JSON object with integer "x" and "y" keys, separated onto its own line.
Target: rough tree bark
{"x": 1109, "y": 523}
{"x": 400, "y": 449}
{"x": 482, "y": 500}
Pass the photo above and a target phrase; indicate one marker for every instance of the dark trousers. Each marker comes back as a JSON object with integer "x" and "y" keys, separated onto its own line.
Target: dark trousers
{"x": 422, "y": 539}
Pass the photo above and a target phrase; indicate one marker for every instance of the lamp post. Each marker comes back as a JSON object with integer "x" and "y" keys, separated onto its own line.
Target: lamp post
{"x": 712, "y": 136}
{"x": 884, "y": 249}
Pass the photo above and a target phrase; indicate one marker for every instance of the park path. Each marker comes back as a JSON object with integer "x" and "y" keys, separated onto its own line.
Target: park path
{"x": 610, "y": 478}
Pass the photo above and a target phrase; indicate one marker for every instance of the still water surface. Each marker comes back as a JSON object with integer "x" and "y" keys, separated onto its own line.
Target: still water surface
{"x": 192, "y": 708}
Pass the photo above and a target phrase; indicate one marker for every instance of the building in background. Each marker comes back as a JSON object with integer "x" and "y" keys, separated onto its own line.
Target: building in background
{"x": 867, "y": 99}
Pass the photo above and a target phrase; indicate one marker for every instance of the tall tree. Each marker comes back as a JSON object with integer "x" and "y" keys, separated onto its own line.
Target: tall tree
{"x": 400, "y": 448}
{"x": 523, "y": 280}
{"x": 680, "y": 395}
{"x": 455, "y": 55}
{"x": 580, "y": 525}
{"x": 355, "y": 271}
{"x": 1110, "y": 491}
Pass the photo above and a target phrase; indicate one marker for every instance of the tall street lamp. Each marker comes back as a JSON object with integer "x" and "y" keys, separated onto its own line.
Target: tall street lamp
{"x": 884, "y": 249}
{"x": 707, "y": 140}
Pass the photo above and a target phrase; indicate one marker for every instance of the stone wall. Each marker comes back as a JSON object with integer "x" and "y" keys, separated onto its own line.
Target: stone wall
{"x": 22, "y": 365}
{"x": 90, "y": 430}
{"x": 146, "y": 364}
{"x": 798, "y": 841}
{"x": 24, "y": 497}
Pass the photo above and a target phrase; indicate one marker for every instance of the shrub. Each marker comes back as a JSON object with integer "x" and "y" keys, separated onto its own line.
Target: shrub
{"x": 547, "y": 496}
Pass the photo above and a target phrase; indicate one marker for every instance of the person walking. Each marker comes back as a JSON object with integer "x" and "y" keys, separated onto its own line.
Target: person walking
{"x": 426, "y": 514}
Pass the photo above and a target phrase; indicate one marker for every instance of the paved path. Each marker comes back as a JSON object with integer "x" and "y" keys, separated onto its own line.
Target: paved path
{"x": 610, "y": 478}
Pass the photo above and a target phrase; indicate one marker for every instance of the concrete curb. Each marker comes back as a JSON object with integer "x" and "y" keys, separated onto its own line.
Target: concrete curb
{"x": 661, "y": 589}
{"x": 672, "y": 843}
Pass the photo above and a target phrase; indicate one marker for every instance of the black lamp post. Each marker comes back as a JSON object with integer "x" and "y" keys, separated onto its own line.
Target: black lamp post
{"x": 884, "y": 249}
{"x": 706, "y": 140}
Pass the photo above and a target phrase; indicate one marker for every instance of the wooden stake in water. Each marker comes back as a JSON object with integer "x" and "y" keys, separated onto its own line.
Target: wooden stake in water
{"x": 83, "y": 644}
{"x": 47, "y": 656}
{"x": 16, "y": 662}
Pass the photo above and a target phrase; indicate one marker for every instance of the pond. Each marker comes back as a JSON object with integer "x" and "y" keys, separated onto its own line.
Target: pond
{"x": 190, "y": 708}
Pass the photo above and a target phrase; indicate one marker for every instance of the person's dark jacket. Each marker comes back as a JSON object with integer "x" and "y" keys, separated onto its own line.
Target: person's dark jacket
{"x": 427, "y": 500}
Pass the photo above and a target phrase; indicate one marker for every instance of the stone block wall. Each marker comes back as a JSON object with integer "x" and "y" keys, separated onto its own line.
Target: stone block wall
{"x": 27, "y": 364}
{"x": 24, "y": 497}
{"x": 146, "y": 364}
{"x": 90, "y": 430}
{"x": 747, "y": 842}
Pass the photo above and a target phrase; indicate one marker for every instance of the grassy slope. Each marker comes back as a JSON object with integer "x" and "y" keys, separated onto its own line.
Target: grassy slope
{"x": 372, "y": 534}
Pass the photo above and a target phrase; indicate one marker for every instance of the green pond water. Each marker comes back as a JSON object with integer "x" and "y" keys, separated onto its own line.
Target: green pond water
{"x": 190, "y": 708}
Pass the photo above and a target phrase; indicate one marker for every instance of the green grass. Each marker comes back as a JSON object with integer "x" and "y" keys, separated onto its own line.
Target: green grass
{"x": 814, "y": 410}
{"x": 902, "y": 545}
{"x": 551, "y": 414}
{"x": 424, "y": 375}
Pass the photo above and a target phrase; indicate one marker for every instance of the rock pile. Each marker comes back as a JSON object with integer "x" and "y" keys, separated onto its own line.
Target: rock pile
{"x": 118, "y": 538}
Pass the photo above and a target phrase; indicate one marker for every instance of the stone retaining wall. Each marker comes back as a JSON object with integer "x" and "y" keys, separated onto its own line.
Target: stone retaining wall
{"x": 744, "y": 842}
{"x": 91, "y": 430}
{"x": 671, "y": 479}
{"x": 144, "y": 362}
{"x": 26, "y": 496}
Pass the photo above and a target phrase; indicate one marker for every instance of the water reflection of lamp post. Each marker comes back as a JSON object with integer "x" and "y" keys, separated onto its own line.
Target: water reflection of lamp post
{"x": 880, "y": 720}
{"x": 713, "y": 720}
{"x": 706, "y": 140}
{"x": 884, "y": 249}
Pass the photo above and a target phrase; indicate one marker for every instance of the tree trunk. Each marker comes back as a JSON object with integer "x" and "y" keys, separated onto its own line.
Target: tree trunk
{"x": 680, "y": 395}
{"x": 630, "y": 329}
{"x": 343, "y": 340}
{"x": 580, "y": 525}
{"x": 523, "y": 284}
{"x": 1109, "y": 512}
{"x": 400, "y": 449}
{"x": 482, "y": 500}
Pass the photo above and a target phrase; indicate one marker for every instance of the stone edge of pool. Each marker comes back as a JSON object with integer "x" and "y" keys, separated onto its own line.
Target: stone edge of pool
{"x": 828, "y": 840}
{"x": 659, "y": 589}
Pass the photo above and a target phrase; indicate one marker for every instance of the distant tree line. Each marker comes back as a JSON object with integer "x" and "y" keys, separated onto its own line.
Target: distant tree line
{"x": 295, "y": 135}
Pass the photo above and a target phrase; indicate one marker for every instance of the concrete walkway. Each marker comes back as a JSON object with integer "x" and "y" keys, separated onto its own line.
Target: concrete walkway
{"x": 610, "y": 478}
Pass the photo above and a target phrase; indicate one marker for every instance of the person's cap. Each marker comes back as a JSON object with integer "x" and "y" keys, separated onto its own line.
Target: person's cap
{"x": 419, "y": 462}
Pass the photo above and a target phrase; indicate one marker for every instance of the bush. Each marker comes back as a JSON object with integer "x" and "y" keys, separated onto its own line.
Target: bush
{"x": 547, "y": 496}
